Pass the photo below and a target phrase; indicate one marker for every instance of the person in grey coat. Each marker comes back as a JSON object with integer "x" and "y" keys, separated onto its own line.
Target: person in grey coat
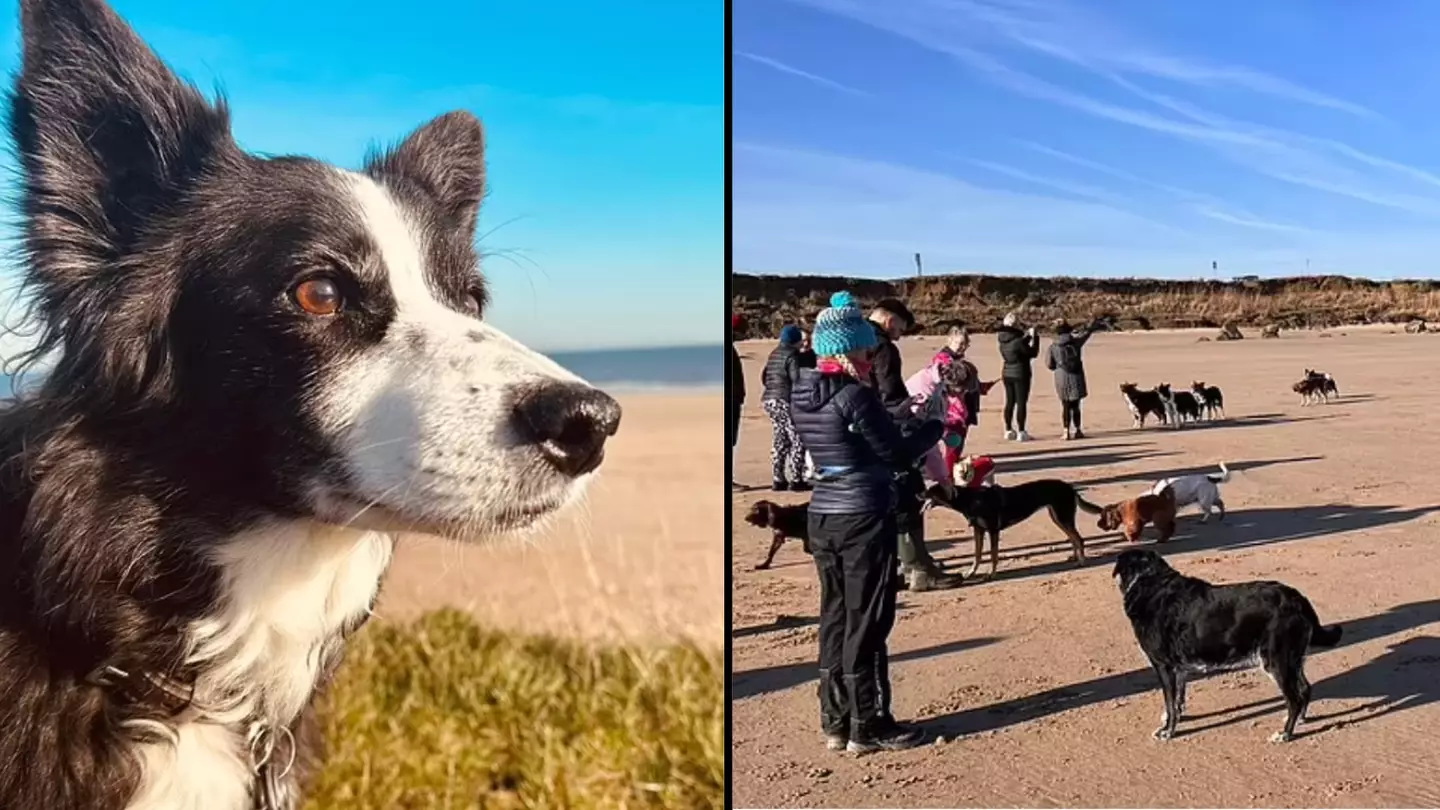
{"x": 1065, "y": 358}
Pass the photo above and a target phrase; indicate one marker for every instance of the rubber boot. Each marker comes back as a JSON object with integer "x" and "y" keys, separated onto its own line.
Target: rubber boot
{"x": 918, "y": 569}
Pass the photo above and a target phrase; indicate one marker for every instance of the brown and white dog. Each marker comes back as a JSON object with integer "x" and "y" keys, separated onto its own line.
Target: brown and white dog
{"x": 784, "y": 522}
{"x": 1131, "y": 516}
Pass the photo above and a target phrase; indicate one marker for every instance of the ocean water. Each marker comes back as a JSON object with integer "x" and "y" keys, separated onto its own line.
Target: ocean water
{"x": 671, "y": 367}
{"x": 624, "y": 370}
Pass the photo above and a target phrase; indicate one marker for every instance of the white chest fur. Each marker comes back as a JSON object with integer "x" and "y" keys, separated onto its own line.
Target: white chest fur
{"x": 288, "y": 590}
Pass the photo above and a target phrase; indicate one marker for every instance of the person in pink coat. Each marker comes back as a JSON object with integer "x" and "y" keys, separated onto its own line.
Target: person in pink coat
{"x": 940, "y": 388}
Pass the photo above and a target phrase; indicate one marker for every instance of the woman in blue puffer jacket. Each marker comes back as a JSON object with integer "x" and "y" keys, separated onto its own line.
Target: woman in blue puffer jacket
{"x": 857, "y": 449}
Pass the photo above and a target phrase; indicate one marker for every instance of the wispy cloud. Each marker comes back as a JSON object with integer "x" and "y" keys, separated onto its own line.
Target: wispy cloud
{"x": 1204, "y": 204}
{"x": 843, "y": 213}
{"x": 801, "y": 210}
{"x": 1245, "y": 220}
{"x": 775, "y": 64}
{"x": 1302, "y": 160}
{"x": 1069, "y": 33}
{"x": 1064, "y": 186}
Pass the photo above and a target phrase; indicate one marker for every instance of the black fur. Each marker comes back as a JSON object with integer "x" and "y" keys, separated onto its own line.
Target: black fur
{"x": 1187, "y": 626}
{"x": 1211, "y": 399}
{"x": 993, "y": 509}
{"x": 1326, "y": 383}
{"x": 784, "y": 522}
{"x": 1186, "y": 405}
{"x": 1144, "y": 403}
{"x": 158, "y": 256}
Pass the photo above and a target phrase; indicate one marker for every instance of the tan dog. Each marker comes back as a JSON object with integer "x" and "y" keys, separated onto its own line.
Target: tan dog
{"x": 1131, "y": 516}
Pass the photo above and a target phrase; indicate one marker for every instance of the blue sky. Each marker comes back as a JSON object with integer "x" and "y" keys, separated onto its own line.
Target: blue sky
{"x": 604, "y": 127}
{"x": 1117, "y": 138}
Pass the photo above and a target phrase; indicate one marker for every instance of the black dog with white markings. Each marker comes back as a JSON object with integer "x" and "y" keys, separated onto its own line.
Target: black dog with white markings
{"x": 1143, "y": 403}
{"x": 1187, "y": 626}
{"x": 1186, "y": 405}
{"x": 1210, "y": 397}
{"x": 260, "y": 371}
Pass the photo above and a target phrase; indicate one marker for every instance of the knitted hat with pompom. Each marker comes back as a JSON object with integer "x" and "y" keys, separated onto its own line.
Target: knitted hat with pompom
{"x": 842, "y": 328}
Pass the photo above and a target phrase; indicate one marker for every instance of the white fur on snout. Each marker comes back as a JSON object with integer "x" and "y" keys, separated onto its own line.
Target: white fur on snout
{"x": 423, "y": 419}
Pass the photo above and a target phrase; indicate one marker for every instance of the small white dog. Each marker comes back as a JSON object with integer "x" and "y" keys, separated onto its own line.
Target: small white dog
{"x": 1198, "y": 489}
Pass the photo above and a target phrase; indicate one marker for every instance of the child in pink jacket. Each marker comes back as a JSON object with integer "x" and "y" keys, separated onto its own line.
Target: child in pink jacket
{"x": 939, "y": 388}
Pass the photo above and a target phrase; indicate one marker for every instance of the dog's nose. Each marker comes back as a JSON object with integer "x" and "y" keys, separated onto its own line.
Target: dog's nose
{"x": 569, "y": 423}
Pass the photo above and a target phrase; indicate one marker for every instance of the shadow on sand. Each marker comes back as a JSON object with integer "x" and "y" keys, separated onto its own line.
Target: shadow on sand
{"x": 1241, "y": 529}
{"x": 780, "y": 623}
{"x": 1175, "y": 472}
{"x": 775, "y": 679}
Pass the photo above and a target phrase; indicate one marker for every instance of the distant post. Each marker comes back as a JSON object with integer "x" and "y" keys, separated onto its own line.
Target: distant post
{"x": 1215, "y": 269}
{"x": 919, "y": 270}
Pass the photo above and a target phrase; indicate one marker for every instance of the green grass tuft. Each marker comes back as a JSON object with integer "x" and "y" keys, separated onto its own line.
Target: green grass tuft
{"x": 443, "y": 713}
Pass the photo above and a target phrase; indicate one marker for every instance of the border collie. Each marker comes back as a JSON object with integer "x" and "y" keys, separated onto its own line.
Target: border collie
{"x": 1327, "y": 383}
{"x": 1210, "y": 397}
{"x": 1182, "y": 405}
{"x": 1143, "y": 403}
{"x": 1316, "y": 387}
{"x": 262, "y": 370}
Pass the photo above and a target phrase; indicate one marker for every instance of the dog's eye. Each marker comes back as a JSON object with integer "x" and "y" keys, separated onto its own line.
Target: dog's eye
{"x": 318, "y": 296}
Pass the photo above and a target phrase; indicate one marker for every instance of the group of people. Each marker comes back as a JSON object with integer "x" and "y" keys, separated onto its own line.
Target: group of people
{"x": 839, "y": 403}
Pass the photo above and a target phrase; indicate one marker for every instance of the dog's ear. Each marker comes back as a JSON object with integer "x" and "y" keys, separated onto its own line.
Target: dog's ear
{"x": 772, "y": 513}
{"x": 443, "y": 160}
{"x": 108, "y": 140}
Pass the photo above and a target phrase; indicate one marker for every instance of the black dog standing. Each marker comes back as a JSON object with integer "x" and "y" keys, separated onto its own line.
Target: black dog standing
{"x": 1187, "y": 626}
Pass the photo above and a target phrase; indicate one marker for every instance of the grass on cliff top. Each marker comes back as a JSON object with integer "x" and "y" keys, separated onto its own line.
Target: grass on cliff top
{"x": 443, "y": 713}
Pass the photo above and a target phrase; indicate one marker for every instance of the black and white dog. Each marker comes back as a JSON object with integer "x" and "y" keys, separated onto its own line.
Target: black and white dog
{"x": 1211, "y": 398}
{"x": 1145, "y": 403}
{"x": 1181, "y": 405}
{"x": 1187, "y": 626}
{"x": 262, "y": 369}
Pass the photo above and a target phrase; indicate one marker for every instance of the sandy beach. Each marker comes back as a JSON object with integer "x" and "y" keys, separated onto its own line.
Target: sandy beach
{"x": 642, "y": 558}
{"x": 1034, "y": 681}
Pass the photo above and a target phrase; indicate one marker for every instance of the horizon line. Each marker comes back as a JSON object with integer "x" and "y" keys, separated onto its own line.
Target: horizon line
{"x": 1088, "y": 277}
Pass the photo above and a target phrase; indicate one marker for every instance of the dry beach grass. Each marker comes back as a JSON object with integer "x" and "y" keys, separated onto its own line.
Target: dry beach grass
{"x": 981, "y": 301}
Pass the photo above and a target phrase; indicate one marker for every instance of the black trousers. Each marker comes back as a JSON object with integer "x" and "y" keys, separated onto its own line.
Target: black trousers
{"x": 1017, "y": 402}
{"x": 855, "y": 556}
{"x": 1070, "y": 413}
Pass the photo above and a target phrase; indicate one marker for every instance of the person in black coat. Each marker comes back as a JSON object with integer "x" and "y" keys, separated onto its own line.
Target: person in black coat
{"x": 1067, "y": 360}
{"x": 919, "y": 571}
{"x": 735, "y": 402}
{"x": 787, "y": 452}
{"x": 1018, "y": 349}
{"x": 890, "y": 319}
{"x": 857, "y": 448}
